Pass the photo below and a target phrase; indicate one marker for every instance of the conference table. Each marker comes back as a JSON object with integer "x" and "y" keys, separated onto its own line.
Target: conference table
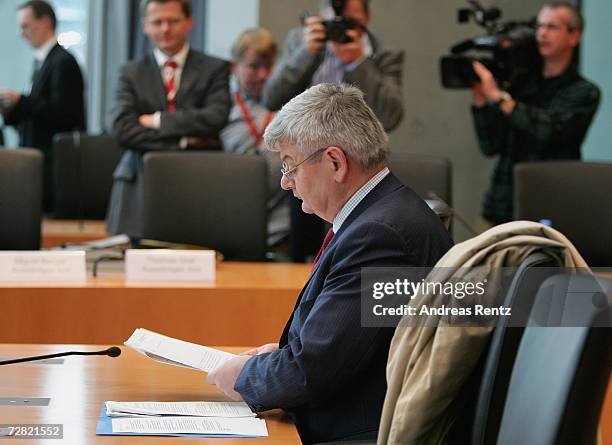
{"x": 55, "y": 233}
{"x": 78, "y": 386}
{"x": 248, "y": 304}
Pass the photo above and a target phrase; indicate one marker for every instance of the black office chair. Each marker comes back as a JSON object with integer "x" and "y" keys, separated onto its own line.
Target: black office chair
{"x": 83, "y": 174}
{"x": 20, "y": 198}
{"x": 575, "y": 196}
{"x": 424, "y": 174}
{"x": 481, "y": 417}
{"x": 211, "y": 199}
{"x": 560, "y": 374}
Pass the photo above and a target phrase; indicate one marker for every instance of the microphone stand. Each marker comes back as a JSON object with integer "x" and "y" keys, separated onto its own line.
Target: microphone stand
{"x": 111, "y": 352}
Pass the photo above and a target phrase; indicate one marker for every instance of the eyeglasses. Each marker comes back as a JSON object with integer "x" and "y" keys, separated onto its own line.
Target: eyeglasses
{"x": 553, "y": 27}
{"x": 290, "y": 172}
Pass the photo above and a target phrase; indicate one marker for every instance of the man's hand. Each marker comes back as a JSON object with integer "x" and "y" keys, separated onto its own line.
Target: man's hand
{"x": 8, "y": 98}
{"x": 479, "y": 98}
{"x": 488, "y": 89}
{"x": 314, "y": 35}
{"x": 349, "y": 52}
{"x": 226, "y": 374}
{"x": 488, "y": 85}
{"x": 147, "y": 120}
{"x": 264, "y": 349}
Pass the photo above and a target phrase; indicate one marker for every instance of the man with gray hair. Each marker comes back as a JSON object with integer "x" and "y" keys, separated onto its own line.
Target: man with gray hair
{"x": 327, "y": 371}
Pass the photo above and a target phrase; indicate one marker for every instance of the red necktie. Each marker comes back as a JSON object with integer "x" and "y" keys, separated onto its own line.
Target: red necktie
{"x": 326, "y": 240}
{"x": 170, "y": 67}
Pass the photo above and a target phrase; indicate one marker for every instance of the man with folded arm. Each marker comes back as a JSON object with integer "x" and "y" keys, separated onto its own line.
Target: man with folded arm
{"x": 174, "y": 98}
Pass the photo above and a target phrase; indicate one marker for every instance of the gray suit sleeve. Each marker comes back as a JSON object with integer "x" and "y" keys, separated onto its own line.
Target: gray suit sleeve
{"x": 293, "y": 73}
{"x": 128, "y": 132}
{"x": 380, "y": 79}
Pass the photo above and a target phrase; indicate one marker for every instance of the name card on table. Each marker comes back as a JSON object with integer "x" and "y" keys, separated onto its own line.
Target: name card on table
{"x": 43, "y": 266}
{"x": 170, "y": 265}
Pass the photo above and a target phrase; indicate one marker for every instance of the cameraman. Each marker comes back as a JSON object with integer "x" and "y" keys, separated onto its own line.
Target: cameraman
{"x": 310, "y": 59}
{"x": 545, "y": 118}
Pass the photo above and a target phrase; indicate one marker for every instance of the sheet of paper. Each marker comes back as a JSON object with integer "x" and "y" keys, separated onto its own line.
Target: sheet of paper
{"x": 198, "y": 409}
{"x": 246, "y": 426}
{"x": 176, "y": 352}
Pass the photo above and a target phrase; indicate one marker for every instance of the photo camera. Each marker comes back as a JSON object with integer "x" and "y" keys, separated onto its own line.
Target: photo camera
{"x": 336, "y": 27}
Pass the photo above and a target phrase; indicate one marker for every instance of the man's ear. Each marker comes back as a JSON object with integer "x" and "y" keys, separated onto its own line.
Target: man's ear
{"x": 575, "y": 38}
{"x": 190, "y": 23}
{"x": 339, "y": 162}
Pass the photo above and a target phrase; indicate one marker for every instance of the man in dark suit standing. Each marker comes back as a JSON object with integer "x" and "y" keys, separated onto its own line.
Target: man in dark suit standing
{"x": 54, "y": 103}
{"x": 174, "y": 98}
{"x": 327, "y": 371}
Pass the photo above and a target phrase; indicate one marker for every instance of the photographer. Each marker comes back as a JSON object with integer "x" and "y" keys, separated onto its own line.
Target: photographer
{"x": 310, "y": 58}
{"x": 546, "y": 117}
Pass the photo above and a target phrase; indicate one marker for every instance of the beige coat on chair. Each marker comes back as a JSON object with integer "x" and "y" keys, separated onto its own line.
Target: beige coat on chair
{"x": 427, "y": 366}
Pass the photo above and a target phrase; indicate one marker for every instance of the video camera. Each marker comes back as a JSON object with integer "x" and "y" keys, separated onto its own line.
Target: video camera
{"x": 335, "y": 28}
{"x": 511, "y": 47}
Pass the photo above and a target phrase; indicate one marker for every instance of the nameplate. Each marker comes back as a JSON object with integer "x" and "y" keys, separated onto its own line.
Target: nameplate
{"x": 169, "y": 265}
{"x": 43, "y": 266}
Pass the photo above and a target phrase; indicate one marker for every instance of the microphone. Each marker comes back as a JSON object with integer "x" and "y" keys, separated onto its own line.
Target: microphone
{"x": 113, "y": 351}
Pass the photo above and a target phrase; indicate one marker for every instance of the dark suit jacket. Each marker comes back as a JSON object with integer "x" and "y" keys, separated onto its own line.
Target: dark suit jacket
{"x": 202, "y": 107}
{"x": 329, "y": 372}
{"x": 55, "y": 105}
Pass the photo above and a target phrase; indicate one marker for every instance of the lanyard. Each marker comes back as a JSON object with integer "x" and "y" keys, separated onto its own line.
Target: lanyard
{"x": 256, "y": 133}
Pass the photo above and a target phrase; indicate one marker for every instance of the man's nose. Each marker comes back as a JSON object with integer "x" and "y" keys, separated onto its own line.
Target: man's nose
{"x": 263, "y": 73}
{"x": 286, "y": 183}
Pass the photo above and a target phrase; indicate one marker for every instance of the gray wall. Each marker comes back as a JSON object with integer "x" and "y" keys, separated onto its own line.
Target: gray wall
{"x": 223, "y": 24}
{"x": 597, "y": 66}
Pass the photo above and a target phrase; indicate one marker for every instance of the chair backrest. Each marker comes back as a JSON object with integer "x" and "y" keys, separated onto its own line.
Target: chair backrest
{"x": 20, "y": 199}
{"x": 83, "y": 174}
{"x": 492, "y": 381}
{"x": 560, "y": 374}
{"x": 423, "y": 174}
{"x": 211, "y": 199}
{"x": 575, "y": 196}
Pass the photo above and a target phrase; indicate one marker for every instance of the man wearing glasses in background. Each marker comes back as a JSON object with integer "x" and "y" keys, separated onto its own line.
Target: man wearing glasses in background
{"x": 546, "y": 117}
{"x": 175, "y": 98}
{"x": 327, "y": 371}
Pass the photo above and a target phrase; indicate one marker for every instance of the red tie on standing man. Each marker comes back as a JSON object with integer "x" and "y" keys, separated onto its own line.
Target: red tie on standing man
{"x": 169, "y": 74}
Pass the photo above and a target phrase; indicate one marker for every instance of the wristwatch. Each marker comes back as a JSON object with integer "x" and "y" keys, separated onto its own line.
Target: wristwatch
{"x": 504, "y": 96}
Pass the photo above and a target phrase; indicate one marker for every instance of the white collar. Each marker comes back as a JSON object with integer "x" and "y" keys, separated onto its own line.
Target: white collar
{"x": 179, "y": 57}
{"x": 43, "y": 50}
{"x": 357, "y": 198}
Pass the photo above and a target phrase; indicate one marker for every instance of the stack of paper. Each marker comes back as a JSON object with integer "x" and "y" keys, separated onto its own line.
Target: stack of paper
{"x": 198, "y": 409}
{"x": 176, "y": 352}
{"x": 202, "y": 419}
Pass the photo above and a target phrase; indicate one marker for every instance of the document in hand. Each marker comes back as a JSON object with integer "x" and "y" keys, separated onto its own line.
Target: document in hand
{"x": 176, "y": 352}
